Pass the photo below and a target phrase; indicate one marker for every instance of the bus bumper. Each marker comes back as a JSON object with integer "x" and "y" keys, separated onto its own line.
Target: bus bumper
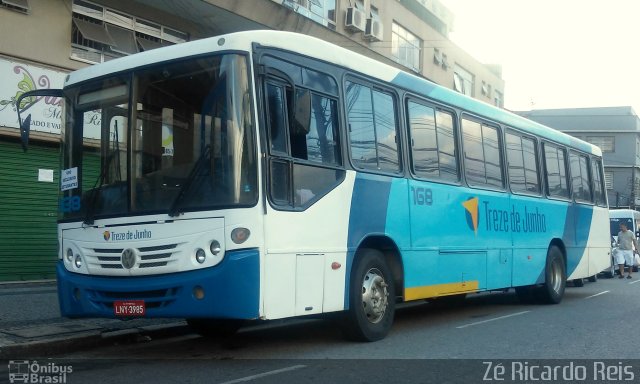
{"x": 231, "y": 291}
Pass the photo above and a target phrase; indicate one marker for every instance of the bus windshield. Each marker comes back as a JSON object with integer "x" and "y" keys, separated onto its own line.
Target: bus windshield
{"x": 615, "y": 224}
{"x": 169, "y": 138}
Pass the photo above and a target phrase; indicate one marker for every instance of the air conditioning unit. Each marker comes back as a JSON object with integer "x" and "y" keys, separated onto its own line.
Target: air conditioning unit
{"x": 355, "y": 20}
{"x": 373, "y": 30}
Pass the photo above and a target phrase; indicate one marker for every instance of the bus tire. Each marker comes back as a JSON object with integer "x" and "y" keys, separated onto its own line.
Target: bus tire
{"x": 371, "y": 298}
{"x": 578, "y": 282}
{"x": 552, "y": 291}
{"x": 215, "y": 328}
{"x": 594, "y": 278}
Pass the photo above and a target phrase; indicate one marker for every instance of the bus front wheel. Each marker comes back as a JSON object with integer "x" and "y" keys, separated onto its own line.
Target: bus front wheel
{"x": 371, "y": 298}
{"x": 552, "y": 290}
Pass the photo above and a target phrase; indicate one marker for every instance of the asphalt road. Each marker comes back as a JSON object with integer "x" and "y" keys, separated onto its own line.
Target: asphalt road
{"x": 594, "y": 329}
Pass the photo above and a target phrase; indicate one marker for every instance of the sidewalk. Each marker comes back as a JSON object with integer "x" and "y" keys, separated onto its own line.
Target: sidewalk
{"x": 31, "y": 325}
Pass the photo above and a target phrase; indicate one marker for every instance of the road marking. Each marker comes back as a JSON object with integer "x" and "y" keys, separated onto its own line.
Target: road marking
{"x": 636, "y": 281}
{"x": 597, "y": 294}
{"x": 253, "y": 377}
{"x": 494, "y": 319}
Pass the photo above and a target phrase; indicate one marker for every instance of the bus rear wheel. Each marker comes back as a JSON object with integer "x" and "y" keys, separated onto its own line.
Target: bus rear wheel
{"x": 552, "y": 291}
{"x": 371, "y": 298}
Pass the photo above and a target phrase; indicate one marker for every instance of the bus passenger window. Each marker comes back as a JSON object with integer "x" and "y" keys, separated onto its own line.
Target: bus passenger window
{"x": 276, "y": 117}
{"x": 447, "y": 153}
{"x": 372, "y": 128}
{"x": 580, "y": 177}
{"x": 522, "y": 163}
{"x": 556, "y": 171}
{"x": 598, "y": 186}
{"x": 483, "y": 163}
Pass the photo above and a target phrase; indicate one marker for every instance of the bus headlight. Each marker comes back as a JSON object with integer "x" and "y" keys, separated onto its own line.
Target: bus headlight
{"x": 201, "y": 256}
{"x": 69, "y": 255}
{"x": 78, "y": 262}
{"x": 215, "y": 247}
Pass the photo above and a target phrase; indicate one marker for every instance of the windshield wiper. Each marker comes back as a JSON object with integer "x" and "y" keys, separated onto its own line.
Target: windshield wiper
{"x": 197, "y": 167}
{"x": 97, "y": 186}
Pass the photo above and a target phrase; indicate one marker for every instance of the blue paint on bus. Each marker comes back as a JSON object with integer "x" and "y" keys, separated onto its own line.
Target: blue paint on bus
{"x": 232, "y": 291}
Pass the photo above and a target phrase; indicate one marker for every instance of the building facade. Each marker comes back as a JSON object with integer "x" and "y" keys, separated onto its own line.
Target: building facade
{"x": 43, "y": 40}
{"x": 616, "y": 130}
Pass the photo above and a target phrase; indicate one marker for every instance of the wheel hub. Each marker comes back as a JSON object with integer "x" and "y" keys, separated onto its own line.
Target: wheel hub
{"x": 374, "y": 295}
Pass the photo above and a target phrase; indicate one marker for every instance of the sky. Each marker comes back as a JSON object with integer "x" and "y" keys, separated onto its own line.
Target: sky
{"x": 555, "y": 53}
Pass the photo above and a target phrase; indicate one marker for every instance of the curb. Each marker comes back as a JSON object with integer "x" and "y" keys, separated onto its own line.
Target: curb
{"x": 90, "y": 339}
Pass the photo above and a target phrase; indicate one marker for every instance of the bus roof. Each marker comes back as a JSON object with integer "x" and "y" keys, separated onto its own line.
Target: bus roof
{"x": 325, "y": 51}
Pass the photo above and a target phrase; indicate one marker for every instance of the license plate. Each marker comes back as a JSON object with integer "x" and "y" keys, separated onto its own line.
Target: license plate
{"x": 129, "y": 308}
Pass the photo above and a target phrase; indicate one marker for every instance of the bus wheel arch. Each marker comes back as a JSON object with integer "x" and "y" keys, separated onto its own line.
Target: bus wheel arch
{"x": 392, "y": 256}
{"x": 372, "y": 290}
{"x": 552, "y": 290}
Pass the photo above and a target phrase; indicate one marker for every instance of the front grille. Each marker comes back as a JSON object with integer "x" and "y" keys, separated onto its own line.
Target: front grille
{"x": 149, "y": 257}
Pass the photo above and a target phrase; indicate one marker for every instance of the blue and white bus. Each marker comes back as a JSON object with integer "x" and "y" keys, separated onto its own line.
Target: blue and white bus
{"x": 268, "y": 175}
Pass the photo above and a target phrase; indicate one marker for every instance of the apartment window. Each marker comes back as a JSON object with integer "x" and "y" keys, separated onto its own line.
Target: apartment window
{"x": 100, "y": 34}
{"x": 373, "y": 134}
{"x": 608, "y": 179}
{"x": 606, "y": 143}
{"x": 405, "y": 47}
{"x": 321, "y": 11}
{"x": 482, "y": 158}
{"x": 522, "y": 163}
{"x": 433, "y": 144}
{"x": 463, "y": 81}
{"x": 21, "y": 6}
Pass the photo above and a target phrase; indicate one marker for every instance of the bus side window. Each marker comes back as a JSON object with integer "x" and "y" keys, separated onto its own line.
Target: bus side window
{"x": 302, "y": 134}
{"x": 276, "y": 114}
{"x": 522, "y": 163}
{"x": 598, "y": 180}
{"x": 372, "y": 128}
{"x": 556, "y": 171}
{"x": 580, "y": 177}
{"x": 433, "y": 148}
{"x": 483, "y": 162}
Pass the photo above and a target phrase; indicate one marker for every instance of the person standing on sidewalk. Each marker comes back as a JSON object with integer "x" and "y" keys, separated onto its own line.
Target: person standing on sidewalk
{"x": 627, "y": 247}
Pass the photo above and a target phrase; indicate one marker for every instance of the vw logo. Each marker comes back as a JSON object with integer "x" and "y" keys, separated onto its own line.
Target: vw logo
{"x": 128, "y": 258}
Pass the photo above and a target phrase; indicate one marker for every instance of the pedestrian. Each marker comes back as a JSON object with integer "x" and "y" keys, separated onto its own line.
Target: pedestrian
{"x": 627, "y": 247}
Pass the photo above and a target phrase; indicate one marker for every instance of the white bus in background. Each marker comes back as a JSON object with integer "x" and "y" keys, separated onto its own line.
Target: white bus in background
{"x": 631, "y": 218}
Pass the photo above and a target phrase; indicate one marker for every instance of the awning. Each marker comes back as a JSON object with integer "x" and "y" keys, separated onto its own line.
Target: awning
{"x": 124, "y": 39}
{"x": 24, "y": 4}
{"x": 93, "y": 32}
{"x": 148, "y": 45}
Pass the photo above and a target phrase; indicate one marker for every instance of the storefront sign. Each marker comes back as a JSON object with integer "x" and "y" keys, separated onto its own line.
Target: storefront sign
{"x": 17, "y": 78}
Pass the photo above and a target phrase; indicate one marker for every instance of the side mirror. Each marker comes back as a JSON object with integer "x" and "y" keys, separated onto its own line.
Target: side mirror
{"x": 25, "y": 126}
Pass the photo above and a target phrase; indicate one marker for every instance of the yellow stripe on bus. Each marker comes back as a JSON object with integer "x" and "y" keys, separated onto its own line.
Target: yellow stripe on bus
{"x": 426, "y": 291}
